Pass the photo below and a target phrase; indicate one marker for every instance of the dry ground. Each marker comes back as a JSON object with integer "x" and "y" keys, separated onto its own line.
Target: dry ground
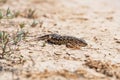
{"x": 96, "y": 21}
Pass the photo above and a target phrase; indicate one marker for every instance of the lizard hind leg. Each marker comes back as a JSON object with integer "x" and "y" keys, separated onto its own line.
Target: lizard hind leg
{"x": 72, "y": 46}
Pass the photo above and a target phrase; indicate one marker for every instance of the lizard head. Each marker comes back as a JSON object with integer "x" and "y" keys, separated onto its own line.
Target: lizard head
{"x": 83, "y": 43}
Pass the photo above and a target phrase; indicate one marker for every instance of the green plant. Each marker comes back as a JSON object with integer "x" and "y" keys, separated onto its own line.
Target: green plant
{"x": 8, "y": 50}
{"x": 20, "y": 35}
{"x": 30, "y": 13}
{"x": 3, "y": 1}
{"x": 4, "y": 39}
{"x": 1, "y": 15}
{"x": 43, "y": 45}
{"x": 22, "y": 25}
{"x": 34, "y": 23}
{"x": 9, "y": 14}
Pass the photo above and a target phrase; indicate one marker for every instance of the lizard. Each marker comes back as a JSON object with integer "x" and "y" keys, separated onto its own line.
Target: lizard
{"x": 69, "y": 41}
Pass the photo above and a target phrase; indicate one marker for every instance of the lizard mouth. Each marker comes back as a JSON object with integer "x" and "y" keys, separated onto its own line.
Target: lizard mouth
{"x": 83, "y": 43}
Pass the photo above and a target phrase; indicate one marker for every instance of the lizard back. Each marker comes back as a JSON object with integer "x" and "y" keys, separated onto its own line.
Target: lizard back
{"x": 58, "y": 40}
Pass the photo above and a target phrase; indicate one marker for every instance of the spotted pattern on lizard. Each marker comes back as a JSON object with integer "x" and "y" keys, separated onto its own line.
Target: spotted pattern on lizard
{"x": 69, "y": 41}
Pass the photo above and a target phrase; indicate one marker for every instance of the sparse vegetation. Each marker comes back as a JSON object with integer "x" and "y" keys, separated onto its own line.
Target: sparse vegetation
{"x": 24, "y": 56}
{"x": 9, "y": 14}
{"x": 43, "y": 45}
{"x": 34, "y": 23}
{"x": 16, "y": 13}
{"x": 3, "y": 1}
{"x": 7, "y": 41}
{"x": 22, "y": 25}
{"x": 1, "y": 15}
{"x": 30, "y": 13}
{"x": 20, "y": 35}
{"x": 4, "y": 40}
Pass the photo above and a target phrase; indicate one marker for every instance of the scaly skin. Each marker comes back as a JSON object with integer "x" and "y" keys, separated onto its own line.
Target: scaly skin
{"x": 69, "y": 41}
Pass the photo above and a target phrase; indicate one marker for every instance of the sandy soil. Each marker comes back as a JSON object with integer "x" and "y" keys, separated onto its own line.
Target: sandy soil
{"x": 97, "y": 22}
